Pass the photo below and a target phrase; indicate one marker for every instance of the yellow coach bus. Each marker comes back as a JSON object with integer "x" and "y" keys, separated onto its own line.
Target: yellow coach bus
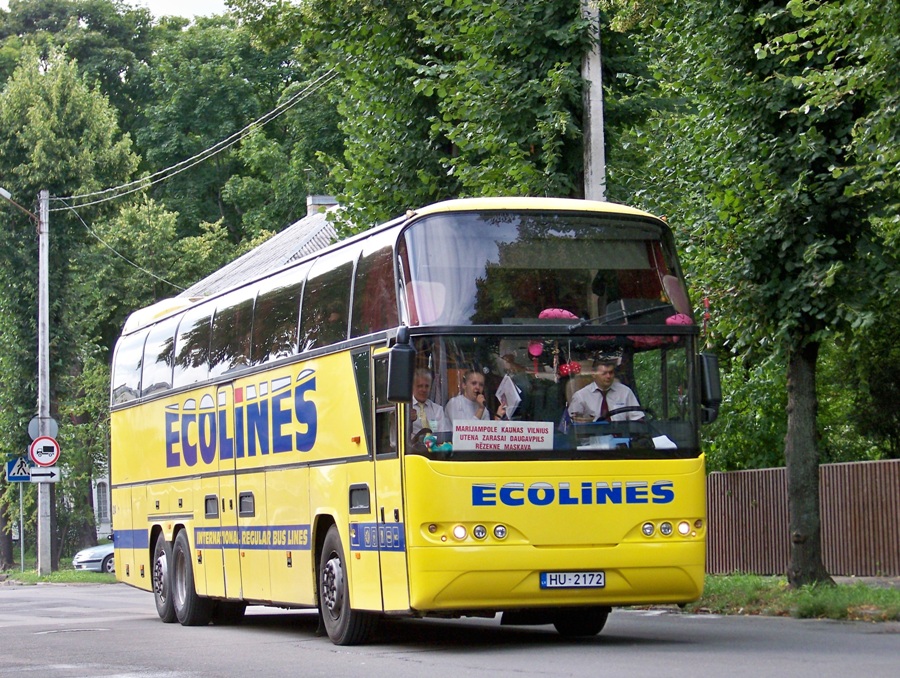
{"x": 486, "y": 406}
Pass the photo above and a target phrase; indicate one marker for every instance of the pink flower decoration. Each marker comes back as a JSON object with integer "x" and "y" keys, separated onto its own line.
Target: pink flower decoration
{"x": 557, "y": 313}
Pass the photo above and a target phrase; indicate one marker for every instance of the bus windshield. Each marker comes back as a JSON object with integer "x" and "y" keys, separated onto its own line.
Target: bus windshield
{"x": 517, "y": 397}
{"x": 507, "y": 267}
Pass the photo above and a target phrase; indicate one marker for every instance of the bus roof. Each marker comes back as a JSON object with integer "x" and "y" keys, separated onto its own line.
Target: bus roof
{"x": 521, "y": 203}
{"x": 145, "y": 316}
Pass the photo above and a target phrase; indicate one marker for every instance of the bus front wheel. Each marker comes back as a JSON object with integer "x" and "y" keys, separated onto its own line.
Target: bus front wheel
{"x": 344, "y": 625}
{"x": 579, "y": 622}
{"x": 190, "y": 609}
{"x": 162, "y": 582}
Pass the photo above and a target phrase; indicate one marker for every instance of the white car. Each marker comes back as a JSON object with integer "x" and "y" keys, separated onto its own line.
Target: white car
{"x": 98, "y": 558}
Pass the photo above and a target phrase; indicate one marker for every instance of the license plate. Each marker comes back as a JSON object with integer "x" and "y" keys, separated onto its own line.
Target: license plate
{"x": 573, "y": 580}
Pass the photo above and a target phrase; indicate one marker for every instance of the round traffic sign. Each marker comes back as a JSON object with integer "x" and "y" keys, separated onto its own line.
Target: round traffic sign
{"x": 44, "y": 451}
{"x": 34, "y": 427}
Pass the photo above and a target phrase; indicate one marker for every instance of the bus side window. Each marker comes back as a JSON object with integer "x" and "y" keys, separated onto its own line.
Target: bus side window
{"x": 191, "y": 362}
{"x": 275, "y": 321}
{"x": 126, "y": 375}
{"x": 230, "y": 343}
{"x": 374, "y": 291}
{"x": 385, "y": 413}
{"x": 159, "y": 357}
{"x": 326, "y": 302}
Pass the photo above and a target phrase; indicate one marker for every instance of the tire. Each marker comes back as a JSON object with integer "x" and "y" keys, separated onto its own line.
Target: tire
{"x": 190, "y": 609}
{"x": 162, "y": 580}
{"x": 108, "y": 566}
{"x": 228, "y": 612}
{"x": 579, "y": 622}
{"x": 343, "y": 624}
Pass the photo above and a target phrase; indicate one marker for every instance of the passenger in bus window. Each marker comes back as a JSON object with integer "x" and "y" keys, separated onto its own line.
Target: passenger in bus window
{"x": 425, "y": 412}
{"x": 605, "y": 394}
{"x": 471, "y": 403}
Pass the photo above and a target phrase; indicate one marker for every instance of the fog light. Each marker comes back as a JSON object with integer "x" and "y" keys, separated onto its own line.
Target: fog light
{"x": 684, "y": 528}
{"x": 648, "y": 529}
{"x": 479, "y": 531}
{"x": 665, "y": 529}
{"x": 500, "y": 531}
{"x": 460, "y": 532}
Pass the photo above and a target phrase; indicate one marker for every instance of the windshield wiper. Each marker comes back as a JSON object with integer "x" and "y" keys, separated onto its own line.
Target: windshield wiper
{"x": 619, "y": 316}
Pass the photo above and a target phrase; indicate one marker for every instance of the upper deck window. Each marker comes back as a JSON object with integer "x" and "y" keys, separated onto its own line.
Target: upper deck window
{"x": 508, "y": 267}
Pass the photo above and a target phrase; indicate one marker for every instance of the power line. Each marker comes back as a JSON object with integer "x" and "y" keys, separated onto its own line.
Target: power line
{"x": 167, "y": 173}
{"x": 114, "y": 250}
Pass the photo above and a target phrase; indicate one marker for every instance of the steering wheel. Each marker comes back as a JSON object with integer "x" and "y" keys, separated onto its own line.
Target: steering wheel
{"x": 630, "y": 408}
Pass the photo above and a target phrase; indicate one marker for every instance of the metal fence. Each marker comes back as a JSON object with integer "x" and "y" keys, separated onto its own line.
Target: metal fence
{"x": 860, "y": 509}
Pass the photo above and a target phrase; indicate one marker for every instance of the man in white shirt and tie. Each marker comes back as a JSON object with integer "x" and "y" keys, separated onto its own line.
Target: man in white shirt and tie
{"x": 604, "y": 395}
{"x": 425, "y": 412}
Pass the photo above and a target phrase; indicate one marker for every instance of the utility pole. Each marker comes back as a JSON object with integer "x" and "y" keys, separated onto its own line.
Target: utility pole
{"x": 46, "y": 425}
{"x": 44, "y": 526}
{"x": 594, "y": 153}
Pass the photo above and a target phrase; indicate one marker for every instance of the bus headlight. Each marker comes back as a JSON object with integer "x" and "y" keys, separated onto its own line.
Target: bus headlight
{"x": 500, "y": 531}
{"x": 684, "y": 528}
{"x": 665, "y": 529}
{"x": 648, "y": 529}
{"x": 479, "y": 531}
{"x": 460, "y": 532}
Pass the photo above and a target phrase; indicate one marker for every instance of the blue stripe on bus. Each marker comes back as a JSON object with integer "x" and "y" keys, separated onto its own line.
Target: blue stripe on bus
{"x": 131, "y": 539}
{"x": 377, "y": 537}
{"x": 264, "y": 537}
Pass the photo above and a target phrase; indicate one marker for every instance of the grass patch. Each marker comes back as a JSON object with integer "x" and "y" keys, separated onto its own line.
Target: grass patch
{"x": 754, "y": 594}
{"x": 59, "y": 577}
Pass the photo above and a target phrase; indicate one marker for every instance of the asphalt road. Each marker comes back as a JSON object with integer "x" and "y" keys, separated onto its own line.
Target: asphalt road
{"x": 64, "y": 631}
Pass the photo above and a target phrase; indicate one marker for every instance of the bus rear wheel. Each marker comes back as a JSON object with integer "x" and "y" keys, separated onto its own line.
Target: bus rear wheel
{"x": 344, "y": 625}
{"x": 190, "y": 609}
{"x": 579, "y": 622}
{"x": 162, "y": 583}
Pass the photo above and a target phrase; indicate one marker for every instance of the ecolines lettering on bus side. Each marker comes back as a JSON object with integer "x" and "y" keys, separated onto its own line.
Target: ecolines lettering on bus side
{"x": 264, "y": 421}
{"x": 544, "y": 494}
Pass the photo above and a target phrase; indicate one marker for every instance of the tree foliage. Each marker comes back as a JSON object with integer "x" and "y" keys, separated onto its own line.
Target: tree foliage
{"x": 789, "y": 246}
{"x": 61, "y": 134}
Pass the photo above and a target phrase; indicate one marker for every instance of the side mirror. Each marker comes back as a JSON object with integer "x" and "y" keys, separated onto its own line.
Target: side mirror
{"x": 710, "y": 388}
{"x": 401, "y": 367}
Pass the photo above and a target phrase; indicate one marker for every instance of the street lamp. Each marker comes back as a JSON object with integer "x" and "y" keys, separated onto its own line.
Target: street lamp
{"x": 43, "y": 229}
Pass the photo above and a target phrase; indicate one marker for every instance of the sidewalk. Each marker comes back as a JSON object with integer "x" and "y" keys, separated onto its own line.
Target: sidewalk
{"x": 876, "y": 582}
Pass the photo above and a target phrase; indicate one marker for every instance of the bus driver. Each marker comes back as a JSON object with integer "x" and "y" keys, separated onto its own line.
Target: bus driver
{"x": 606, "y": 394}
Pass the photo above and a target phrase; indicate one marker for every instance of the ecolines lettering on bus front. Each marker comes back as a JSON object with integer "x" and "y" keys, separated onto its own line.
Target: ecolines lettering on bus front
{"x": 264, "y": 420}
{"x": 543, "y": 493}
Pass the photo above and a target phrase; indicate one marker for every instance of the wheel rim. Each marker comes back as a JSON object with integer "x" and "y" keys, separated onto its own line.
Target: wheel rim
{"x": 160, "y": 576}
{"x": 333, "y": 586}
{"x": 110, "y": 566}
{"x": 178, "y": 587}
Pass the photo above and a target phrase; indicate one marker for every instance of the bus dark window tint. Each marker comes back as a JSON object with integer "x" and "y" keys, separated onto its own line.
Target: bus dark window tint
{"x": 374, "y": 293}
{"x": 275, "y": 319}
{"x": 192, "y": 347}
{"x": 326, "y": 303}
{"x": 159, "y": 357}
{"x": 126, "y": 377}
{"x": 230, "y": 345}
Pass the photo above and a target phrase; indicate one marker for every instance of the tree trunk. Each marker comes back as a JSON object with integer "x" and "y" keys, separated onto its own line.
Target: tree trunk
{"x": 802, "y": 458}
{"x": 6, "y": 541}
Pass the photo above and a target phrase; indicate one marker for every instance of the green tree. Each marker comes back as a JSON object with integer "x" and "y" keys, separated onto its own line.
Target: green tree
{"x": 109, "y": 39}
{"x": 766, "y": 183}
{"x": 475, "y": 97}
{"x": 60, "y": 134}
{"x": 208, "y": 83}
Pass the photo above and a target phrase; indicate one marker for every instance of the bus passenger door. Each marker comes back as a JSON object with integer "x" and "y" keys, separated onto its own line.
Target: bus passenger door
{"x": 390, "y": 514}
{"x": 229, "y": 533}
